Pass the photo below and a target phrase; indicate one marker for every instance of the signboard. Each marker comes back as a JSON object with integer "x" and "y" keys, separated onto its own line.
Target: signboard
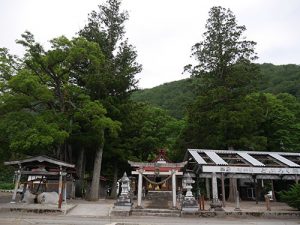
{"x": 250, "y": 170}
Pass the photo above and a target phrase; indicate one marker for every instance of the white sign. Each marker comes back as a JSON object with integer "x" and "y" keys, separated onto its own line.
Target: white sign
{"x": 250, "y": 170}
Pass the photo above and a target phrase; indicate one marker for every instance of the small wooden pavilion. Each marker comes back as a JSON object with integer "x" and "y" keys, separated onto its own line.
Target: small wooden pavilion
{"x": 44, "y": 168}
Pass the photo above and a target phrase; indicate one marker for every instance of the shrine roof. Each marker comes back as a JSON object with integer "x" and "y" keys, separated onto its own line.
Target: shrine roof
{"x": 39, "y": 160}
{"x": 153, "y": 165}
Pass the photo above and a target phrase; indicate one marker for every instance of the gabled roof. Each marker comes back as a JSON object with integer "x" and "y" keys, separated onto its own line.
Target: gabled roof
{"x": 40, "y": 159}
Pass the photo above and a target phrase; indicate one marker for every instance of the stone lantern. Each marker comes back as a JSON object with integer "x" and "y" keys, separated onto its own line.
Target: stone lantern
{"x": 123, "y": 205}
{"x": 189, "y": 203}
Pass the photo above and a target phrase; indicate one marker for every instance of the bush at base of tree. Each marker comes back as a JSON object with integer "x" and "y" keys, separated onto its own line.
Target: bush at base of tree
{"x": 292, "y": 196}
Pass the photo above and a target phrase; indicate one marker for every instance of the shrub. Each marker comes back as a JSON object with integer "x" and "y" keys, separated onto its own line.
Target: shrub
{"x": 292, "y": 196}
{"x": 7, "y": 186}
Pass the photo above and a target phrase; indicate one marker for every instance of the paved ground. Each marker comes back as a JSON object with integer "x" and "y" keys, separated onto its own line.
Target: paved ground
{"x": 64, "y": 220}
{"x": 92, "y": 213}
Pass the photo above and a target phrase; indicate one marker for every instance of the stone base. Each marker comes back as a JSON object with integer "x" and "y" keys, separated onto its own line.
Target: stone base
{"x": 189, "y": 205}
{"x": 121, "y": 211}
{"x": 216, "y": 206}
{"x": 124, "y": 200}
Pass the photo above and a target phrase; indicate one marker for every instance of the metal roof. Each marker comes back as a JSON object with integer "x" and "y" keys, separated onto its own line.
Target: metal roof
{"x": 284, "y": 160}
{"x": 217, "y": 156}
{"x": 250, "y": 159}
{"x": 197, "y": 157}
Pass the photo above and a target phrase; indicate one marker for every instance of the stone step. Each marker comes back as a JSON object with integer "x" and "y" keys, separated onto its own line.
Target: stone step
{"x": 155, "y": 212}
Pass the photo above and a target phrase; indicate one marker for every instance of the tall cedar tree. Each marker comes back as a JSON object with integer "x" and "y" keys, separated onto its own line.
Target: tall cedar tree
{"x": 113, "y": 86}
{"x": 227, "y": 75}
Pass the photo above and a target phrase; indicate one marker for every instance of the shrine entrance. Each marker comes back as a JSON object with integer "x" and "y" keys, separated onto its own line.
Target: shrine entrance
{"x": 158, "y": 182}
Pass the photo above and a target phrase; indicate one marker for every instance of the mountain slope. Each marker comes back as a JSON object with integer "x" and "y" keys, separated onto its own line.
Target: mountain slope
{"x": 177, "y": 95}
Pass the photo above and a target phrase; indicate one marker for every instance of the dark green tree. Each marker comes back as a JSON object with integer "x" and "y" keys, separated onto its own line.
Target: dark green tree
{"x": 41, "y": 100}
{"x": 226, "y": 75}
{"x": 106, "y": 28}
{"x": 224, "y": 56}
{"x": 112, "y": 88}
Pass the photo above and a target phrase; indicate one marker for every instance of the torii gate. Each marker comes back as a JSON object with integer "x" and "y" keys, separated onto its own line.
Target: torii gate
{"x": 160, "y": 166}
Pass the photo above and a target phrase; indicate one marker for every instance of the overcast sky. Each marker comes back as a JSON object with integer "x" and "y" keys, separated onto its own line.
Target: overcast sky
{"x": 162, "y": 31}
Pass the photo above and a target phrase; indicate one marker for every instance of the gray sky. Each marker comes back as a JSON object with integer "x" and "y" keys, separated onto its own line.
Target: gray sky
{"x": 163, "y": 31}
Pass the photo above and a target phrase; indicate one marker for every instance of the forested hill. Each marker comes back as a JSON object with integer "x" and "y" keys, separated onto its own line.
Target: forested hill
{"x": 175, "y": 96}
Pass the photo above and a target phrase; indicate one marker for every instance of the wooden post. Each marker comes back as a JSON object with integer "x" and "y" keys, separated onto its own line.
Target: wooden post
{"x": 65, "y": 189}
{"x": 207, "y": 188}
{"x": 273, "y": 191}
{"x": 202, "y": 202}
{"x": 18, "y": 173}
{"x": 267, "y": 200}
{"x": 256, "y": 190}
{"x": 223, "y": 189}
{"x": 60, "y": 188}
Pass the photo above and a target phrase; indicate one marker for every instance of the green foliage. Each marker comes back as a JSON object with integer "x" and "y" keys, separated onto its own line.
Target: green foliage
{"x": 146, "y": 130}
{"x": 224, "y": 56}
{"x": 292, "y": 196}
{"x": 173, "y": 97}
{"x": 176, "y": 96}
{"x": 280, "y": 79}
{"x": 6, "y": 186}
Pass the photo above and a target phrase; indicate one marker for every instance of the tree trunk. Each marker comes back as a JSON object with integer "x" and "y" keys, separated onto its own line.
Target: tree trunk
{"x": 232, "y": 190}
{"x": 80, "y": 169}
{"x": 94, "y": 193}
{"x": 115, "y": 180}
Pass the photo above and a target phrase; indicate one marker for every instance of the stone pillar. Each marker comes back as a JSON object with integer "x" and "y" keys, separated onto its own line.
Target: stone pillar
{"x": 214, "y": 185}
{"x": 215, "y": 205}
{"x": 18, "y": 174}
{"x": 140, "y": 186}
{"x": 174, "y": 188}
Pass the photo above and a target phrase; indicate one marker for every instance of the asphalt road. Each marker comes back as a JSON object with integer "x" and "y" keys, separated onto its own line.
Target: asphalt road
{"x": 27, "y": 219}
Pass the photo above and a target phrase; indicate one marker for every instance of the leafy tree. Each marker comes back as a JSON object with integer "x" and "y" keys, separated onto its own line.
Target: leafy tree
{"x": 112, "y": 88}
{"x": 91, "y": 118}
{"x": 224, "y": 56}
{"x": 227, "y": 75}
{"x": 42, "y": 105}
{"x": 292, "y": 196}
{"x": 106, "y": 28}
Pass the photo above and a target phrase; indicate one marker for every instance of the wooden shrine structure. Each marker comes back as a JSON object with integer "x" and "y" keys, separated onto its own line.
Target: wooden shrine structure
{"x": 250, "y": 165}
{"x": 43, "y": 168}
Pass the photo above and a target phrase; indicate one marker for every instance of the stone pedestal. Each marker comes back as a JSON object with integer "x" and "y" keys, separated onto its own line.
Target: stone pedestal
{"x": 216, "y": 206}
{"x": 123, "y": 205}
{"x": 189, "y": 205}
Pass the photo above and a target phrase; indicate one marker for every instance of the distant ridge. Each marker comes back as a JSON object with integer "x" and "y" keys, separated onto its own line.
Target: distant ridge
{"x": 177, "y": 95}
